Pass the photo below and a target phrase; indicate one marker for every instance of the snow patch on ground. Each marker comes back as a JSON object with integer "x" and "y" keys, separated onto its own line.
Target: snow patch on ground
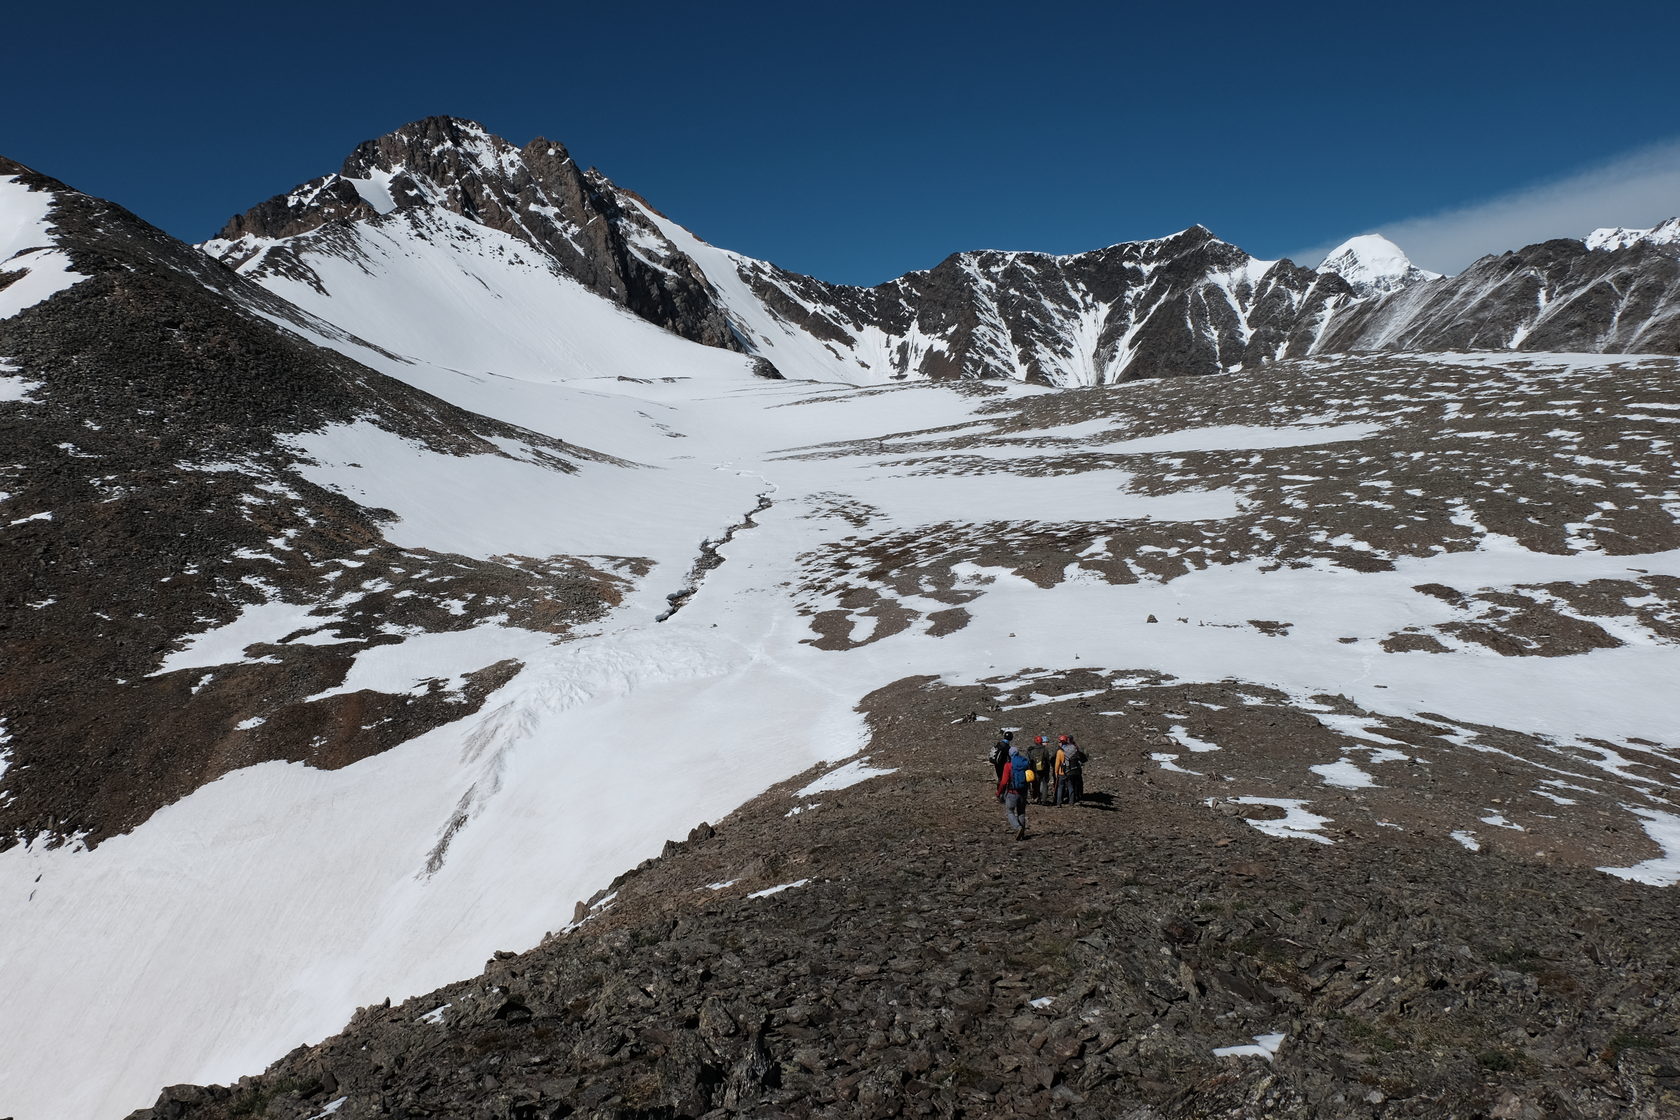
{"x": 421, "y": 662}
{"x": 258, "y": 624}
{"x": 14, "y": 388}
{"x": 1660, "y": 871}
{"x": 1343, "y": 774}
{"x": 843, "y": 777}
{"x": 1240, "y": 437}
{"x": 778, "y": 889}
{"x": 1297, "y": 823}
{"x": 1105, "y": 496}
{"x": 28, "y": 250}
{"x": 1264, "y": 1046}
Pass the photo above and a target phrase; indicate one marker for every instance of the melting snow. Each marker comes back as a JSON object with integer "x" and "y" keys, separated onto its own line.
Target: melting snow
{"x": 768, "y": 891}
{"x": 1264, "y": 1046}
{"x": 1344, "y": 775}
{"x": 16, "y": 388}
{"x": 1240, "y": 437}
{"x": 1468, "y": 839}
{"x": 1297, "y": 823}
{"x": 1659, "y": 871}
{"x": 842, "y": 777}
{"x": 257, "y": 624}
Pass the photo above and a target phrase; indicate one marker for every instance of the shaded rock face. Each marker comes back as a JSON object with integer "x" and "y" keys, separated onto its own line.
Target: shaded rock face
{"x": 807, "y": 958}
{"x": 537, "y": 194}
{"x": 154, "y": 441}
{"x": 1554, "y": 296}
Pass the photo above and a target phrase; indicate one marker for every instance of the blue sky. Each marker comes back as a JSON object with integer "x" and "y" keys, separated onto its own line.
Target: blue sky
{"x": 857, "y": 141}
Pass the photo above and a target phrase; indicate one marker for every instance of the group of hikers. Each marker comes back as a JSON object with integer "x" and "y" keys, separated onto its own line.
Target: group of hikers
{"x": 1042, "y": 774}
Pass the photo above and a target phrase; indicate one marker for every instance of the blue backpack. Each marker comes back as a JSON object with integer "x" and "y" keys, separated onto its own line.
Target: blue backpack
{"x": 1018, "y": 766}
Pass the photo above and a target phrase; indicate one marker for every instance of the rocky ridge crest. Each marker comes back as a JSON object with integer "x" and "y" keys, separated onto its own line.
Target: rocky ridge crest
{"x": 1184, "y": 304}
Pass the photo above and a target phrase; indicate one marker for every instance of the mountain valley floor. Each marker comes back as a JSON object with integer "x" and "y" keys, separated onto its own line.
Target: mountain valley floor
{"x": 1370, "y": 659}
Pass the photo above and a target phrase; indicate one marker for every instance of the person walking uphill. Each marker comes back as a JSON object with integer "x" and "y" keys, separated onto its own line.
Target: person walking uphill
{"x": 1000, "y": 752}
{"x": 1012, "y": 791}
{"x": 1042, "y": 759}
{"x": 1070, "y": 772}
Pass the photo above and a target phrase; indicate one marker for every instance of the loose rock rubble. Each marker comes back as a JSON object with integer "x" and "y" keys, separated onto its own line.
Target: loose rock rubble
{"x": 893, "y": 950}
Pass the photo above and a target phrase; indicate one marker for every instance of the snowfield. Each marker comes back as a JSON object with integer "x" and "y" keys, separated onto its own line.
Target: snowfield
{"x": 258, "y": 912}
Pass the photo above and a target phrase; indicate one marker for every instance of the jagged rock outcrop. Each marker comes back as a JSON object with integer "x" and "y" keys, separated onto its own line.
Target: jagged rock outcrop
{"x": 1185, "y": 304}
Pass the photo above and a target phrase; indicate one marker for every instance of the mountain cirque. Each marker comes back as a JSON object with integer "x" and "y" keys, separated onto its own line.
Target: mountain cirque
{"x": 349, "y": 644}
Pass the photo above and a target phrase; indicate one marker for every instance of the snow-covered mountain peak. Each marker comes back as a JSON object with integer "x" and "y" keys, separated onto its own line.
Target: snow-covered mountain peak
{"x": 1619, "y": 237}
{"x": 406, "y": 186}
{"x": 1373, "y": 265}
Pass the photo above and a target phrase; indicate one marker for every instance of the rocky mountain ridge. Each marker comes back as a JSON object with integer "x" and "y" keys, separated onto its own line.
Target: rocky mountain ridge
{"x": 1179, "y": 305}
{"x": 537, "y": 194}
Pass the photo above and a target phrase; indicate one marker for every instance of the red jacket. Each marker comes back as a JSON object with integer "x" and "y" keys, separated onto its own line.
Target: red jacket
{"x": 1004, "y": 781}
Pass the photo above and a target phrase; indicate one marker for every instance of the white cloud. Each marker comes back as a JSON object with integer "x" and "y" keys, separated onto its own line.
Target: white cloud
{"x": 1638, "y": 189}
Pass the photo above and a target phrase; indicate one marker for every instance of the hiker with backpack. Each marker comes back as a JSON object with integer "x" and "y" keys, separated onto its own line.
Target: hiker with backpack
{"x": 1000, "y": 752}
{"x": 1042, "y": 759}
{"x": 1070, "y": 772}
{"x": 1012, "y": 790}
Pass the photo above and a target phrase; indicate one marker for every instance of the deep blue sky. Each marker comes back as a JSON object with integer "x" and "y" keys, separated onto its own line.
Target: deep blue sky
{"x": 855, "y": 141}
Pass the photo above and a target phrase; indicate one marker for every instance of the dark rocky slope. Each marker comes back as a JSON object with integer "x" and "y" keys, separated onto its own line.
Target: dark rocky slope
{"x": 155, "y": 441}
{"x": 924, "y": 963}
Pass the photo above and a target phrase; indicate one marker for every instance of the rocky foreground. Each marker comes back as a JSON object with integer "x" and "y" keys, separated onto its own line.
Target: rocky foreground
{"x": 917, "y": 960}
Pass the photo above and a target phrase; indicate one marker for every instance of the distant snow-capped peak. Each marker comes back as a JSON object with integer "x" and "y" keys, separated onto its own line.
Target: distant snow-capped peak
{"x": 1619, "y": 237}
{"x": 1374, "y": 266}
